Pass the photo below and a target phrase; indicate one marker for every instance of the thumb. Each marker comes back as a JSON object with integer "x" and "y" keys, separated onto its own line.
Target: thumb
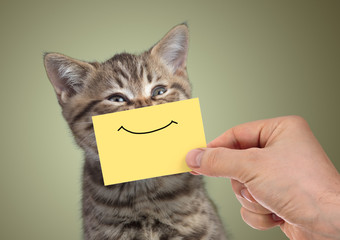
{"x": 224, "y": 162}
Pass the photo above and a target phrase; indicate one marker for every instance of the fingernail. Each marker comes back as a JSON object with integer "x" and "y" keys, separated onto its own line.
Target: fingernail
{"x": 195, "y": 173}
{"x": 194, "y": 157}
{"x": 276, "y": 218}
{"x": 246, "y": 195}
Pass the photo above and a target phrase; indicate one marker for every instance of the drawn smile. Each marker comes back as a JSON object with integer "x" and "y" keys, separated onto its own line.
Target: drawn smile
{"x": 148, "y": 131}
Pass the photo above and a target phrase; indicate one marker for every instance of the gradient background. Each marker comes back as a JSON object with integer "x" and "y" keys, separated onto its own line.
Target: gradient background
{"x": 247, "y": 60}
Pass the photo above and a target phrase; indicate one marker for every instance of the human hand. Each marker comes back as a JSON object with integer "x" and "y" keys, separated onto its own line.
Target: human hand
{"x": 279, "y": 173}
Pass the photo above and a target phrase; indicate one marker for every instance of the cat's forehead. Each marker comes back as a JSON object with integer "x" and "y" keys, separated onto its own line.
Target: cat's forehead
{"x": 133, "y": 75}
{"x": 125, "y": 64}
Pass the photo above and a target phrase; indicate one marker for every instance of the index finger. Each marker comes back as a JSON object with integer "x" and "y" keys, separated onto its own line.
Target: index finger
{"x": 247, "y": 135}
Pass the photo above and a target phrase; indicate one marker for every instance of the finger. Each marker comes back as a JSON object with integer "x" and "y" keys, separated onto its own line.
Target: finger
{"x": 224, "y": 162}
{"x": 246, "y": 199}
{"x": 260, "y": 221}
{"x": 247, "y": 135}
{"x": 239, "y": 188}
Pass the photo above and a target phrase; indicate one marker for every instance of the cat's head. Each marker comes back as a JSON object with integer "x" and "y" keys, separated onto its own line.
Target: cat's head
{"x": 124, "y": 82}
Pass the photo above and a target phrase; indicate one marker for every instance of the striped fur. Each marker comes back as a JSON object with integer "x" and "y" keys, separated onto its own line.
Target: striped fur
{"x": 170, "y": 207}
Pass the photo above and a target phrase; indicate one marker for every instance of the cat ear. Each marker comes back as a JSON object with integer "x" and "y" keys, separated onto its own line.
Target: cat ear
{"x": 172, "y": 49}
{"x": 66, "y": 74}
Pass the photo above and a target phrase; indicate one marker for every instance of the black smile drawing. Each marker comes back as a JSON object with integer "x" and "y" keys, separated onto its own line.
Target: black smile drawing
{"x": 148, "y": 131}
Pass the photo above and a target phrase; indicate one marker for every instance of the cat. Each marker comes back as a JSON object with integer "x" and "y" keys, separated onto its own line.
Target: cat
{"x": 169, "y": 207}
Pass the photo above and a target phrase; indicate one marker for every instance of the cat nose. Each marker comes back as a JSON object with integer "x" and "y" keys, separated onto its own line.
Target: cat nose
{"x": 139, "y": 103}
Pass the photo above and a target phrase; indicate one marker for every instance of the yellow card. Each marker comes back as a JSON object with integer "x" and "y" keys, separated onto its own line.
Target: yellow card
{"x": 148, "y": 142}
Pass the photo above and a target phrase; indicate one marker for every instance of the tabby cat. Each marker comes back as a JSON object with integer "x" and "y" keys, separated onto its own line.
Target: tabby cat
{"x": 170, "y": 207}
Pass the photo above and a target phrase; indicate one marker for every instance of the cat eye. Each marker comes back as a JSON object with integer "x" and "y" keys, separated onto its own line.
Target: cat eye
{"x": 117, "y": 98}
{"x": 159, "y": 90}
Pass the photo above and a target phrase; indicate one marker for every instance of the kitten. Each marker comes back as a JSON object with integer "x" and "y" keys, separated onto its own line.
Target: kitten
{"x": 170, "y": 207}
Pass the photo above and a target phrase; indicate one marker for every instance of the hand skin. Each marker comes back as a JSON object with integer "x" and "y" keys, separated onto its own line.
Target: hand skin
{"x": 279, "y": 173}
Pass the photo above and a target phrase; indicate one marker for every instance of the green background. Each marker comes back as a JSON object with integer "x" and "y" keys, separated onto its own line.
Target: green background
{"x": 247, "y": 60}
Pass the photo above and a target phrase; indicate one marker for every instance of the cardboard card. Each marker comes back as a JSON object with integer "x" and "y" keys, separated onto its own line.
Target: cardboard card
{"x": 148, "y": 142}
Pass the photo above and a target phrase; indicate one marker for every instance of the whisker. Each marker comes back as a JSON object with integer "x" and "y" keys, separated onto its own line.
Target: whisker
{"x": 86, "y": 137}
